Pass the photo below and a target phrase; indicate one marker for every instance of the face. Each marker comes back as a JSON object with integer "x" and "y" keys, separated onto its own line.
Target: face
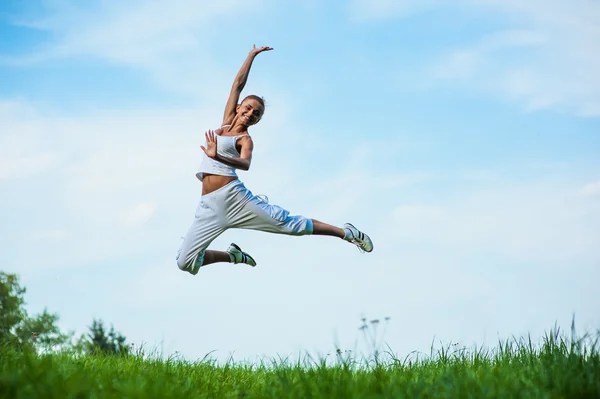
{"x": 250, "y": 111}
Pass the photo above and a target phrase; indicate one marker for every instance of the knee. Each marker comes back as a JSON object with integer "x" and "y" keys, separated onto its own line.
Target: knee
{"x": 181, "y": 263}
{"x": 298, "y": 226}
{"x": 190, "y": 264}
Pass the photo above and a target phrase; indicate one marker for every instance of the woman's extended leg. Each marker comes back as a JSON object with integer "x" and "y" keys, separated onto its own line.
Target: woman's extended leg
{"x": 324, "y": 229}
{"x": 257, "y": 214}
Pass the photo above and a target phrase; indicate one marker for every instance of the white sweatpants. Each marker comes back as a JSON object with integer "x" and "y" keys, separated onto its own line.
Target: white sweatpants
{"x": 234, "y": 206}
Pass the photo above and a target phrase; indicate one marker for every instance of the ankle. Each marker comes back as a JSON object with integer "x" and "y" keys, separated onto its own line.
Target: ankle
{"x": 347, "y": 234}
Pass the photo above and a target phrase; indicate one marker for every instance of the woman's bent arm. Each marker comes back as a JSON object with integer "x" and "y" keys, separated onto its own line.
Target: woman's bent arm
{"x": 243, "y": 162}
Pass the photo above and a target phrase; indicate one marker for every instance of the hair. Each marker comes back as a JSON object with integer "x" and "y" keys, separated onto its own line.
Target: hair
{"x": 255, "y": 97}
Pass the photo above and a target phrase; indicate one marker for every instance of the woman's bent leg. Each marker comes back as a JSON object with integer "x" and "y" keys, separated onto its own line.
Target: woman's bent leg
{"x": 207, "y": 226}
{"x": 211, "y": 256}
{"x": 234, "y": 254}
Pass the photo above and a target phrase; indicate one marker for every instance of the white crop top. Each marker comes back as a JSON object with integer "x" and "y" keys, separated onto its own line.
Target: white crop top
{"x": 226, "y": 148}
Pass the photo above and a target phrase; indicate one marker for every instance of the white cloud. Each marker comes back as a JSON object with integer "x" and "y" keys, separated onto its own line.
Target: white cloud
{"x": 545, "y": 58}
{"x": 110, "y": 165}
{"x": 23, "y": 166}
{"x": 139, "y": 214}
{"x": 590, "y": 109}
{"x": 591, "y": 189}
{"x": 48, "y": 235}
{"x": 170, "y": 41}
{"x": 23, "y": 151}
{"x": 361, "y": 10}
{"x": 515, "y": 222}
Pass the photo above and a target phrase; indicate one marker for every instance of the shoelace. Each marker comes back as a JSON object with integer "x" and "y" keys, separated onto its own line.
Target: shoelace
{"x": 358, "y": 246}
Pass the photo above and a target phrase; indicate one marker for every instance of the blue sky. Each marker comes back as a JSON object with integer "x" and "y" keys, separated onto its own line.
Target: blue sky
{"x": 462, "y": 136}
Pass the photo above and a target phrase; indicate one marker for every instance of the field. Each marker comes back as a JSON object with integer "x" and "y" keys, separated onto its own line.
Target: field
{"x": 557, "y": 367}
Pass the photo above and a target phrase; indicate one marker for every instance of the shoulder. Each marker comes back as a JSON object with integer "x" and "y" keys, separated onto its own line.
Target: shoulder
{"x": 245, "y": 141}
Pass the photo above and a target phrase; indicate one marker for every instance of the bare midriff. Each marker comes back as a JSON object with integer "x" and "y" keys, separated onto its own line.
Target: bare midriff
{"x": 212, "y": 183}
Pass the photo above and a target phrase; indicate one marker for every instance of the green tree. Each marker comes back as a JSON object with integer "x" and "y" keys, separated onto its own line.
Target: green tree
{"x": 11, "y": 307}
{"x": 43, "y": 331}
{"x": 17, "y": 329}
{"x": 106, "y": 342}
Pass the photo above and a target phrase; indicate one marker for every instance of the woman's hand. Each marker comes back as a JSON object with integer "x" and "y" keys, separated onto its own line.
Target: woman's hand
{"x": 255, "y": 51}
{"x": 211, "y": 144}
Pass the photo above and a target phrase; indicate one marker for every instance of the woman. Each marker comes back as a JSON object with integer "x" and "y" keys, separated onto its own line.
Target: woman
{"x": 226, "y": 203}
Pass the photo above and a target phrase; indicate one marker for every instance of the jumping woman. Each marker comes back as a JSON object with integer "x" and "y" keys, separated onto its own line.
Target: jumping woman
{"x": 226, "y": 203}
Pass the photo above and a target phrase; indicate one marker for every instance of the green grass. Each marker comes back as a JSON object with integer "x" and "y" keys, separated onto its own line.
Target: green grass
{"x": 556, "y": 368}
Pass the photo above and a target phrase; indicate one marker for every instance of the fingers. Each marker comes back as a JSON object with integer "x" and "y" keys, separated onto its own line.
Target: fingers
{"x": 210, "y": 136}
{"x": 211, "y": 144}
{"x": 260, "y": 49}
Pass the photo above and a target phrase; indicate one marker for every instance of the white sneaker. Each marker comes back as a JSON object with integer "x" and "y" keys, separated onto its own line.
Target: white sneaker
{"x": 358, "y": 238}
{"x": 237, "y": 256}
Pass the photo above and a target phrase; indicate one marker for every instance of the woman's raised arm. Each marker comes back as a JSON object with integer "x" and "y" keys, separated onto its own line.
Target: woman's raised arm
{"x": 239, "y": 83}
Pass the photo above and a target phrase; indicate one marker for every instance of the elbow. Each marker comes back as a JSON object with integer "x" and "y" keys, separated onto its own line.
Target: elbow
{"x": 239, "y": 84}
